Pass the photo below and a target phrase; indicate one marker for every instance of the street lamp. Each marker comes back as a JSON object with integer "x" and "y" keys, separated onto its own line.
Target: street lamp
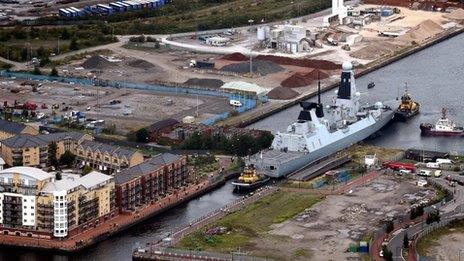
{"x": 251, "y": 47}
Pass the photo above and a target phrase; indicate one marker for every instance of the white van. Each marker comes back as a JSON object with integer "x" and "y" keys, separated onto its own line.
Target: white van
{"x": 425, "y": 173}
{"x": 404, "y": 172}
{"x": 422, "y": 183}
{"x": 444, "y": 161}
{"x": 437, "y": 173}
{"x": 235, "y": 103}
{"x": 432, "y": 165}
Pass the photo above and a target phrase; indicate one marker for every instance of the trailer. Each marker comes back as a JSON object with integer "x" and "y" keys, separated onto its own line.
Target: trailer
{"x": 105, "y": 8}
{"x": 78, "y": 12}
{"x": 127, "y": 6}
{"x": 64, "y": 12}
{"x": 117, "y": 7}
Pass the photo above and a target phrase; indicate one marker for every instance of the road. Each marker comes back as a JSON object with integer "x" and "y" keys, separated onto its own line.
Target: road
{"x": 455, "y": 206}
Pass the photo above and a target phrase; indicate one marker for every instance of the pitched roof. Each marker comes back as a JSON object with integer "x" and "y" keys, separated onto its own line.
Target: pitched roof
{"x": 162, "y": 124}
{"x": 58, "y": 136}
{"x": 94, "y": 178}
{"x": 110, "y": 149}
{"x": 24, "y": 141}
{"x": 11, "y": 127}
{"x": 27, "y": 141}
{"x": 146, "y": 167}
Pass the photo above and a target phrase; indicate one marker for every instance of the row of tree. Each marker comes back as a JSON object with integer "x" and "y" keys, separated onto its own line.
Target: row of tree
{"x": 238, "y": 144}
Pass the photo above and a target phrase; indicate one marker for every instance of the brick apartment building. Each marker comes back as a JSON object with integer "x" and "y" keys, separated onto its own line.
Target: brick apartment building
{"x": 149, "y": 181}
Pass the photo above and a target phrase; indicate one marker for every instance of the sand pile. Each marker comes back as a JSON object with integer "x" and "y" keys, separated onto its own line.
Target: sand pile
{"x": 141, "y": 64}
{"x": 457, "y": 14}
{"x": 421, "y": 32}
{"x": 296, "y": 80}
{"x": 374, "y": 51}
{"x": 204, "y": 82}
{"x": 258, "y": 66}
{"x": 320, "y": 64}
{"x": 235, "y": 57}
{"x": 282, "y": 93}
{"x": 97, "y": 62}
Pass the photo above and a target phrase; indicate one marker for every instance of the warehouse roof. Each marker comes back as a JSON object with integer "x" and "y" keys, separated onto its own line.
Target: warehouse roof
{"x": 244, "y": 87}
{"x": 162, "y": 124}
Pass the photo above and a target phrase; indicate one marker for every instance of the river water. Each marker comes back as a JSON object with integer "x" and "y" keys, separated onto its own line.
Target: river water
{"x": 435, "y": 78}
{"x": 120, "y": 247}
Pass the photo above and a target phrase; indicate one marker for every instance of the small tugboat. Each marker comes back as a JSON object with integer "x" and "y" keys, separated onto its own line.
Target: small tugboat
{"x": 407, "y": 107}
{"x": 371, "y": 85}
{"x": 443, "y": 127}
{"x": 249, "y": 180}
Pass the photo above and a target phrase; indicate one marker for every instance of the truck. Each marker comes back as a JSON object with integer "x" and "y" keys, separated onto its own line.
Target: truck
{"x": 444, "y": 161}
{"x": 399, "y": 166}
{"x": 432, "y": 165}
{"x": 201, "y": 64}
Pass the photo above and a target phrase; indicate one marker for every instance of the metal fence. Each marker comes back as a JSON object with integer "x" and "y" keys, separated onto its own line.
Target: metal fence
{"x": 248, "y": 102}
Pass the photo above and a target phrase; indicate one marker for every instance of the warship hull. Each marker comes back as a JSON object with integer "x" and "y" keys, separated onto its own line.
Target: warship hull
{"x": 277, "y": 164}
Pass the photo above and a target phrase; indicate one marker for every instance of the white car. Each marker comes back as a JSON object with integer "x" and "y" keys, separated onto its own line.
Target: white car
{"x": 40, "y": 115}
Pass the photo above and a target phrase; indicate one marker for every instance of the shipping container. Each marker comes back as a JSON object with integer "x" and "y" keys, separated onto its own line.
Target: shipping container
{"x": 205, "y": 64}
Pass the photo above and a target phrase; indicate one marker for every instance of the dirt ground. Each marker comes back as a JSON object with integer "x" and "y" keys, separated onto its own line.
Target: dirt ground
{"x": 332, "y": 224}
{"x": 448, "y": 247}
{"x": 137, "y": 108}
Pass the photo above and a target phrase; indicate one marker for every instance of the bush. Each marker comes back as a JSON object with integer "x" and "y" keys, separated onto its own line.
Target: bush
{"x": 86, "y": 170}
{"x": 68, "y": 158}
{"x": 36, "y": 71}
{"x": 416, "y": 212}
{"x": 138, "y": 39}
{"x": 54, "y": 72}
{"x": 389, "y": 226}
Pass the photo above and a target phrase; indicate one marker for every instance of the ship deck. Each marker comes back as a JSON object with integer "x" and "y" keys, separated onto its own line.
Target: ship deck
{"x": 276, "y": 156}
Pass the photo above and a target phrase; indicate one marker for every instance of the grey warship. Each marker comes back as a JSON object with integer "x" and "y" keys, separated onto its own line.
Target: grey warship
{"x": 319, "y": 132}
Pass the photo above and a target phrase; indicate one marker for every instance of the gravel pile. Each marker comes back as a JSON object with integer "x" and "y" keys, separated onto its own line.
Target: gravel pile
{"x": 141, "y": 64}
{"x": 204, "y": 82}
{"x": 312, "y": 63}
{"x": 259, "y": 67}
{"x": 316, "y": 74}
{"x": 97, "y": 62}
{"x": 282, "y": 93}
{"x": 296, "y": 80}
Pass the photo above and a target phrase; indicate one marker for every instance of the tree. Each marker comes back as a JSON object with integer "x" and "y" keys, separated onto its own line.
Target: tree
{"x": 387, "y": 254}
{"x": 73, "y": 45}
{"x": 52, "y": 149}
{"x": 68, "y": 158}
{"x": 36, "y": 71}
{"x": 86, "y": 170}
{"x": 54, "y": 72}
{"x": 58, "y": 176}
{"x": 389, "y": 226}
{"x": 142, "y": 135}
{"x": 416, "y": 212}
{"x": 433, "y": 217}
{"x": 405, "y": 241}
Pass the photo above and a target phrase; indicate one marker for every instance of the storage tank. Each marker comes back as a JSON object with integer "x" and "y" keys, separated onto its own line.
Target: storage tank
{"x": 261, "y": 32}
{"x": 267, "y": 31}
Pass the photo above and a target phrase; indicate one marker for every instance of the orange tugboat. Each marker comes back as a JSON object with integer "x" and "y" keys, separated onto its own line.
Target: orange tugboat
{"x": 407, "y": 107}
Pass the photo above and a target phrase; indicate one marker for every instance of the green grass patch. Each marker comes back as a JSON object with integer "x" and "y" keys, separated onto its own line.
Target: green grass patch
{"x": 302, "y": 253}
{"x": 433, "y": 239}
{"x": 251, "y": 222}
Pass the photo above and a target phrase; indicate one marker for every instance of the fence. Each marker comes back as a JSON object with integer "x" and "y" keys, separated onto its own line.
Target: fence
{"x": 248, "y": 102}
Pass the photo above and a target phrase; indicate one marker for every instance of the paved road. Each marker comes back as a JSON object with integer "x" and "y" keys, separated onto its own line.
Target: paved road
{"x": 447, "y": 211}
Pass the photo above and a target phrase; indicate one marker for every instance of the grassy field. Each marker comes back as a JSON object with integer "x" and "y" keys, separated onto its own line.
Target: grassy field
{"x": 433, "y": 238}
{"x": 252, "y": 222}
{"x": 357, "y": 152}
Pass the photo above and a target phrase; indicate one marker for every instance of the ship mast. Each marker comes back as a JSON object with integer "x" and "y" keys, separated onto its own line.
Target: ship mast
{"x": 318, "y": 88}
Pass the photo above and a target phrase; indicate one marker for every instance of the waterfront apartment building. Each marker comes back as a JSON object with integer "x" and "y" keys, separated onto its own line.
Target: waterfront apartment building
{"x": 105, "y": 157}
{"x": 149, "y": 181}
{"x": 33, "y": 151}
{"x": 34, "y": 203}
{"x": 9, "y": 129}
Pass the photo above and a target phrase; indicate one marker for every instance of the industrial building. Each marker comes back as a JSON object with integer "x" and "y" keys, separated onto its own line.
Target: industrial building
{"x": 287, "y": 38}
{"x": 149, "y": 181}
{"x": 35, "y": 203}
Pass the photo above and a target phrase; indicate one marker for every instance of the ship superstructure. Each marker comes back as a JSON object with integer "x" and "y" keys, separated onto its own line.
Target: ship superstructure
{"x": 320, "y": 131}
{"x": 443, "y": 127}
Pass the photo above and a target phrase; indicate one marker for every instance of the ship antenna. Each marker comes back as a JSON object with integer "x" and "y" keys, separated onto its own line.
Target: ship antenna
{"x": 318, "y": 87}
